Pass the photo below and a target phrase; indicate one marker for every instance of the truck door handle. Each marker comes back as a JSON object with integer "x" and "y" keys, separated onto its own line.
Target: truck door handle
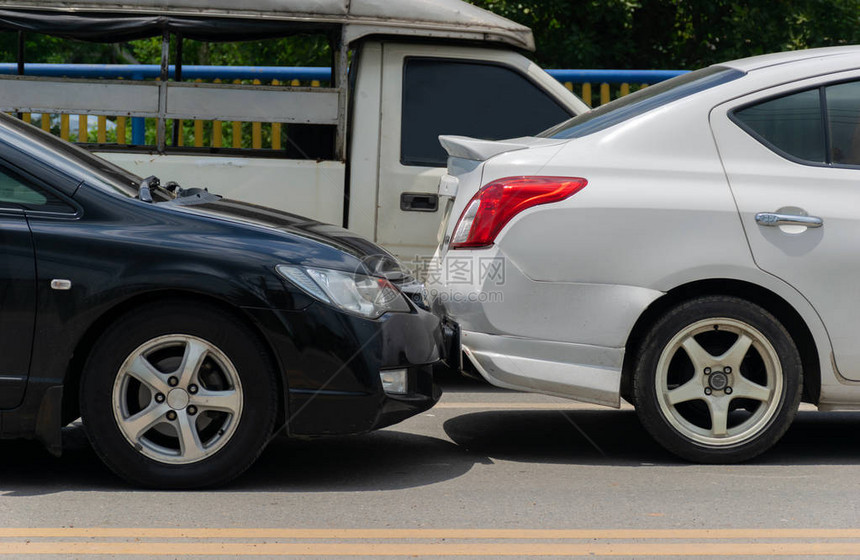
{"x": 773, "y": 219}
{"x": 419, "y": 202}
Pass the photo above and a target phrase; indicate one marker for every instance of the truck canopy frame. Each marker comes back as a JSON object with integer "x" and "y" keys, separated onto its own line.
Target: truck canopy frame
{"x": 345, "y": 21}
{"x": 228, "y": 20}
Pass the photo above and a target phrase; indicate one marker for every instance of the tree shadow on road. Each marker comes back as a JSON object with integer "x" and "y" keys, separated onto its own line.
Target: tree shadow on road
{"x": 27, "y": 469}
{"x": 391, "y": 460}
{"x": 611, "y": 437}
{"x": 383, "y": 460}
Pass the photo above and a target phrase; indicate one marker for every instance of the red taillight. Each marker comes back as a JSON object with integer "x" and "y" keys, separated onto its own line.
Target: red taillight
{"x": 496, "y": 203}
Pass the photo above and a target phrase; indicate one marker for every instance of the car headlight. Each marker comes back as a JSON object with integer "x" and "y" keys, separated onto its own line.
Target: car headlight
{"x": 367, "y": 296}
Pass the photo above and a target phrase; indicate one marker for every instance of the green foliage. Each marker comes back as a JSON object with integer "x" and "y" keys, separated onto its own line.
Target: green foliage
{"x": 43, "y": 48}
{"x": 682, "y": 34}
{"x": 676, "y": 34}
{"x": 299, "y": 50}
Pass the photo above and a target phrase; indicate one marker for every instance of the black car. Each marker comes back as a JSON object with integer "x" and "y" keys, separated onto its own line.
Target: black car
{"x": 186, "y": 330}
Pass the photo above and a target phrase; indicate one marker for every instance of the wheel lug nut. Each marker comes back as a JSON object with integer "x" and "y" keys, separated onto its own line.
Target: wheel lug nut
{"x": 728, "y": 390}
{"x": 159, "y": 398}
{"x": 192, "y": 389}
{"x": 707, "y": 371}
{"x": 708, "y": 391}
{"x": 192, "y": 410}
{"x": 173, "y": 382}
{"x": 171, "y": 416}
{"x": 727, "y": 369}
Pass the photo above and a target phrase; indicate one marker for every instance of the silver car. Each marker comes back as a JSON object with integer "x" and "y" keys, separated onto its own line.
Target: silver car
{"x": 691, "y": 248}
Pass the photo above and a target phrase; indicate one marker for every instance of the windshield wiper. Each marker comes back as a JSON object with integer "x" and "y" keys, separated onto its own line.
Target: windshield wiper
{"x": 144, "y": 191}
{"x": 173, "y": 191}
{"x": 152, "y": 182}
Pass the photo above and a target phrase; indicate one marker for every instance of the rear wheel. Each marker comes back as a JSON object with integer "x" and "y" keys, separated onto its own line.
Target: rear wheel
{"x": 718, "y": 380}
{"x": 175, "y": 396}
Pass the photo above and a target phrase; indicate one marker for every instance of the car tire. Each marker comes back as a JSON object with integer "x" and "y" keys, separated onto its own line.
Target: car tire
{"x": 178, "y": 396}
{"x": 718, "y": 380}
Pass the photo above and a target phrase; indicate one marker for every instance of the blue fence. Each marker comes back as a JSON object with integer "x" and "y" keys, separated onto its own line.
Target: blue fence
{"x": 284, "y": 73}
{"x": 612, "y": 83}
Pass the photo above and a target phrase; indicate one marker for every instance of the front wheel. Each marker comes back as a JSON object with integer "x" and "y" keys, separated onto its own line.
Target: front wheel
{"x": 718, "y": 380}
{"x": 175, "y": 396}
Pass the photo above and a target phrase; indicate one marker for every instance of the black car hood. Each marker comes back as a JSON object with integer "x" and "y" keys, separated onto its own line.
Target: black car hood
{"x": 377, "y": 260}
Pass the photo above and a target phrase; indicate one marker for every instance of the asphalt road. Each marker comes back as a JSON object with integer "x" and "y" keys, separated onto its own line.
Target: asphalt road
{"x": 486, "y": 473}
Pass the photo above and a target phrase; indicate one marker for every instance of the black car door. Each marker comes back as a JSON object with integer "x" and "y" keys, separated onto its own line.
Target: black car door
{"x": 17, "y": 286}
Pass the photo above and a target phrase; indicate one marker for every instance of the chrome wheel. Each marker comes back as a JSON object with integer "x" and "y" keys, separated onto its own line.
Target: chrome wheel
{"x": 177, "y": 399}
{"x": 719, "y": 382}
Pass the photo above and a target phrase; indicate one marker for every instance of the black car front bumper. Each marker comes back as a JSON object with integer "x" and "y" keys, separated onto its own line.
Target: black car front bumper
{"x": 331, "y": 363}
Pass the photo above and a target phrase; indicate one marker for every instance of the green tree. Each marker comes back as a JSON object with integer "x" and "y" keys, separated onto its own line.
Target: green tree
{"x": 682, "y": 34}
{"x": 299, "y": 50}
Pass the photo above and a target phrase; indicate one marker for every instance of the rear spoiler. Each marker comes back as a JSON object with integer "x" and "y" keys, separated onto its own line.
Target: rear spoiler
{"x": 480, "y": 150}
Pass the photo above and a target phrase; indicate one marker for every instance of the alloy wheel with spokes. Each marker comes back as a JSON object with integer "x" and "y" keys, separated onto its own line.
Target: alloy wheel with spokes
{"x": 177, "y": 398}
{"x": 731, "y": 368}
{"x": 718, "y": 380}
{"x": 176, "y": 395}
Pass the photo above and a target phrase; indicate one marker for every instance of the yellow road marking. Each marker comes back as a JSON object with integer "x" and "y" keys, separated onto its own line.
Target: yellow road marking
{"x": 436, "y": 549}
{"x": 404, "y": 534}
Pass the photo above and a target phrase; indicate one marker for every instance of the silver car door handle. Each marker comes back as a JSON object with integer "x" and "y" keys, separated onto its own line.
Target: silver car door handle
{"x": 772, "y": 219}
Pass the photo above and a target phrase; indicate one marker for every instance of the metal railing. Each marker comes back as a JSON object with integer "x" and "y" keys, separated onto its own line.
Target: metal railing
{"x": 595, "y": 87}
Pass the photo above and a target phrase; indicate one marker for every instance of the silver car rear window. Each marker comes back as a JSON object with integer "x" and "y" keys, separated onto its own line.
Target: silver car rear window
{"x": 642, "y": 101}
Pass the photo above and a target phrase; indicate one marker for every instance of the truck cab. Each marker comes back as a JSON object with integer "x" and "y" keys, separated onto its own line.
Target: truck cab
{"x": 403, "y": 73}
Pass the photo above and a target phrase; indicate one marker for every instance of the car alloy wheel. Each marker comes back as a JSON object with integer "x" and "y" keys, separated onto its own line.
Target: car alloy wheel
{"x": 179, "y": 394}
{"x": 177, "y": 399}
{"x": 718, "y": 380}
{"x": 738, "y": 406}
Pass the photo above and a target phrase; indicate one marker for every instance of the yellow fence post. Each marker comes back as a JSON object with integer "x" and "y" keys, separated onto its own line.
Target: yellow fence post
{"x": 198, "y": 134}
{"x": 26, "y": 118}
{"x": 102, "y": 130}
{"x": 83, "y": 135}
{"x": 586, "y": 93}
{"x": 569, "y": 86}
{"x": 64, "y": 127}
{"x": 237, "y": 134}
{"x": 625, "y": 89}
{"x": 120, "y": 130}
{"x": 237, "y": 128}
{"x": 46, "y": 122}
{"x": 217, "y": 132}
{"x": 198, "y": 128}
{"x": 276, "y": 127}
{"x": 256, "y": 130}
{"x": 604, "y": 93}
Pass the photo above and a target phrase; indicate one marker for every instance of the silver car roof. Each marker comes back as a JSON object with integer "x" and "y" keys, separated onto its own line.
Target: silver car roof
{"x": 775, "y": 59}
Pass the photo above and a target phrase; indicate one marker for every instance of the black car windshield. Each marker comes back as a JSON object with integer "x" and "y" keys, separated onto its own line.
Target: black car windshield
{"x": 641, "y": 102}
{"x": 113, "y": 176}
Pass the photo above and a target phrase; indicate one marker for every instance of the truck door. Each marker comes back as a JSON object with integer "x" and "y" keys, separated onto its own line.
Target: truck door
{"x": 428, "y": 90}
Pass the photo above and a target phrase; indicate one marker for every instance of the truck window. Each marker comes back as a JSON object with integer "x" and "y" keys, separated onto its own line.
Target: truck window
{"x": 481, "y": 100}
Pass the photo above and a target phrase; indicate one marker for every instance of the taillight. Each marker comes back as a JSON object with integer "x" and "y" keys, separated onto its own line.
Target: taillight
{"x": 496, "y": 203}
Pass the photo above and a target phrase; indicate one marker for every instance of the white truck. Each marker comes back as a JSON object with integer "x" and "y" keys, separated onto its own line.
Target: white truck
{"x": 404, "y": 72}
